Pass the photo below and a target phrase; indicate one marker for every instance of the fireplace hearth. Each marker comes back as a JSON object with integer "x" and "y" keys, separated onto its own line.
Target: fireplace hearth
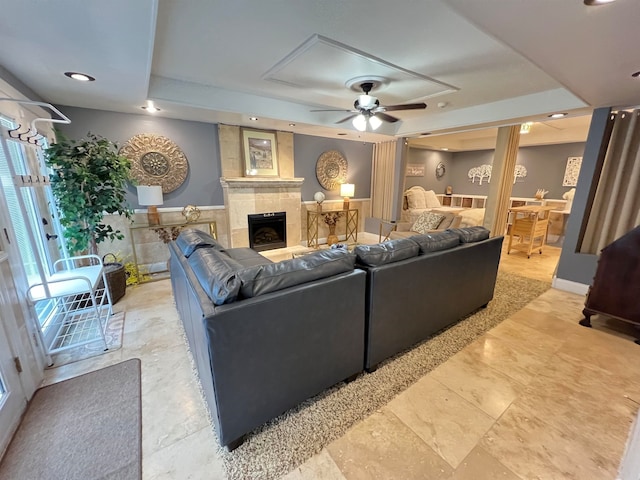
{"x": 267, "y": 231}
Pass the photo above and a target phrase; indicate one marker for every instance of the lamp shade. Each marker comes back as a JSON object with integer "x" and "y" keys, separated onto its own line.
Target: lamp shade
{"x": 374, "y": 122}
{"x": 347, "y": 190}
{"x": 360, "y": 122}
{"x": 149, "y": 195}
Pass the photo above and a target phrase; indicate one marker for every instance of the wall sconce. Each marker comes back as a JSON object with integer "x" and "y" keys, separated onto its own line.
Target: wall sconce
{"x": 150, "y": 196}
{"x": 347, "y": 190}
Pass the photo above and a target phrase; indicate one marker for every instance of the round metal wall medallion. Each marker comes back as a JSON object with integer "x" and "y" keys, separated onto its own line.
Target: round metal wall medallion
{"x": 331, "y": 170}
{"x": 156, "y": 160}
{"x": 440, "y": 169}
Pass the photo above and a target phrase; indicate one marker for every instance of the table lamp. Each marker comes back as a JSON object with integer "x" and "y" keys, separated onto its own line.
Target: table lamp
{"x": 150, "y": 196}
{"x": 347, "y": 190}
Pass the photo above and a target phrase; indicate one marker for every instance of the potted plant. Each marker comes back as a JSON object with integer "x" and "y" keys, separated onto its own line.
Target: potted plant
{"x": 88, "y": 180}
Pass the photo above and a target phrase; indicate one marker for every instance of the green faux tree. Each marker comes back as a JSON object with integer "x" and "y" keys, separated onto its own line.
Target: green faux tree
{"x": 88, "y": 180}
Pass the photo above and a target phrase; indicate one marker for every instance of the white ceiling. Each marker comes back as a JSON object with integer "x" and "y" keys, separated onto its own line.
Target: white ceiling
{"x": 490, "y": 62}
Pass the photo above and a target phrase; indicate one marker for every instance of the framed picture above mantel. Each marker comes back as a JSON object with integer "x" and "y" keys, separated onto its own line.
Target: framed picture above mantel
{"x": 259, "y": 150}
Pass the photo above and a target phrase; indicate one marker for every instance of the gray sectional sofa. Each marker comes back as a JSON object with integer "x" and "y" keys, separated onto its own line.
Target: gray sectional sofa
{"x": 419, "y": 285}
{"x": 266, "y": 336}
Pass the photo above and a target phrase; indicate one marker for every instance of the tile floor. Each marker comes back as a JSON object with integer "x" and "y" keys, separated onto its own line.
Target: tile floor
{"x": 536, "y": 397}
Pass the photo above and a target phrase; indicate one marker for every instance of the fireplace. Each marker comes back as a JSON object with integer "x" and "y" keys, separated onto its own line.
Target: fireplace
{"x": 267, "y": 231}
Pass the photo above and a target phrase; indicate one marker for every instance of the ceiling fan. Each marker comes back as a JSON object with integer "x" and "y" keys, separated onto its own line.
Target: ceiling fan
{"x": 367, "y": 110}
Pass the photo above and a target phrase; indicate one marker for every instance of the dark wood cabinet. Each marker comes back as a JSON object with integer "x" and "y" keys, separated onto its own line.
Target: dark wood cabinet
{"x": 615, "y": 290}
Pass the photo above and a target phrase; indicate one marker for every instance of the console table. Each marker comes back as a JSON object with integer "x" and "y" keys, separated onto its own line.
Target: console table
{"x": 314, "y": 217}
{"x": 165, "y": 232}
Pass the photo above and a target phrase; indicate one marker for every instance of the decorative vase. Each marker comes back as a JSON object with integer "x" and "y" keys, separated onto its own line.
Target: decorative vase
{"x": 332, "y": 238}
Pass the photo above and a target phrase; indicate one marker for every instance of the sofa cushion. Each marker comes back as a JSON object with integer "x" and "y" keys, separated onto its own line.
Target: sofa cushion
{"x": 448, "y": 220}
{"x": 471, "y": 234}
{"x": 434, "y": 242}
{"x": 217, "y": 274}
{"x": 426, "y": 222}
{"x": 472, "y": 217}
{"x": 387, "y": 252}
{"x": 191, "y": 239}
{"x": 262, "y": 279}
{"x": 415, "y": 199}
{"x": 247, "y": 257}
{"x": 431, "y": 200}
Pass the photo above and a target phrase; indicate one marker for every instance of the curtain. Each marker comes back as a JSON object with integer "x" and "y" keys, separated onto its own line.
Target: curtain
{"x": 383, "y": 180}
{"x": 616, "y": 204}
{"x": 504, "y": 164}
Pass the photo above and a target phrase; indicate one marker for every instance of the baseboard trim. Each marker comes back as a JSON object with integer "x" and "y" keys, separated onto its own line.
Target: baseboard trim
{"x": 569, "y": 286}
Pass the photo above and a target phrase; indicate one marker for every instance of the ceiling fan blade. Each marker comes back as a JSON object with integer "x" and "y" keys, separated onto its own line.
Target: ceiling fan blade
{"x": 407, "y": 106}
{"x": 348, "y": 118}
{"x": 332, "y": 110}
{"x": 386, "y": 118}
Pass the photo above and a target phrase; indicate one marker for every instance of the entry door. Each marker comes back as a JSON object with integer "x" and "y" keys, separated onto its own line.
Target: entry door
{"x": 12, "y": 398}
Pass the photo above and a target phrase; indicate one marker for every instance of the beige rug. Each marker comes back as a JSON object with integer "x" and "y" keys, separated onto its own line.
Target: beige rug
{"x": 287, "y": 441}
{"x": 85, "y": 428}
{"x": 113, "y": 335}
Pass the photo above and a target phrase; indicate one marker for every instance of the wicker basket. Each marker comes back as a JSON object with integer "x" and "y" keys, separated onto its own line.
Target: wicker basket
{"x": 116, "y": 277}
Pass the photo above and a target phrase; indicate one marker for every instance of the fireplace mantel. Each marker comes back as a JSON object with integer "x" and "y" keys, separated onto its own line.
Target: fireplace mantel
{"x": 260, "y": 182}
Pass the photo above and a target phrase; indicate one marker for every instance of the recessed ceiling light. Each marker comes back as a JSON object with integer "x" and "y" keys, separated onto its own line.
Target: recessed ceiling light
{"x": 81, "y": 77}
{"x": 150, "y": 107}
{"x": 635, "y": 74}
{"x": 592, "y": 3}
{"x": 292, "y": 124}
{"x": 558, "y": 115}
{"x": 253, "y": 119}
{"x": 445, "y": 149}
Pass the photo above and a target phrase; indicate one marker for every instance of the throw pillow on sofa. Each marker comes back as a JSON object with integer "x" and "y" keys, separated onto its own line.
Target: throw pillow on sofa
{"x": 431, "y": 199}
{"x": 416, "y": 199}
{"x": 427, "y": 221}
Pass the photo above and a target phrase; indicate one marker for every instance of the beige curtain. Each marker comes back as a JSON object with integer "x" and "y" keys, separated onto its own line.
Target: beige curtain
{"x": 383, "y": 180}
{"x": 616, "y": 205}
{"x": 504, "y": 164}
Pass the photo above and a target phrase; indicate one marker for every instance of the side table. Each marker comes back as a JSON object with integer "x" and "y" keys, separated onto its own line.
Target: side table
{"x": 166, "y": 232}
{"x": 386, "y": 227}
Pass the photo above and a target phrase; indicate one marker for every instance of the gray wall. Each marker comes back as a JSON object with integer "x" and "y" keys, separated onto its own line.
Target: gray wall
{"x": 574, "y": 266}
{"x": 430, "y": 159}
{"x": 307, "y": 149}
{"x": 198, "y": 141}
{"x": 545, "y": 169}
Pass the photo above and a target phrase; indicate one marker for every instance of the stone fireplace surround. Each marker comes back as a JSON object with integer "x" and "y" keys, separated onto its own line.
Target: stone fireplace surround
{"x": 250, "y": 195}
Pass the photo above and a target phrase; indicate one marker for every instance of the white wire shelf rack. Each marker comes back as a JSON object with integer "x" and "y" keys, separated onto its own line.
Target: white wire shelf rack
{"x": 82, "y": 303}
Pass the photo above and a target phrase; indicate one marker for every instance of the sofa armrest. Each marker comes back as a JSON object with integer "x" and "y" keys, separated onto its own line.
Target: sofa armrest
{"x": 403, "y": 226}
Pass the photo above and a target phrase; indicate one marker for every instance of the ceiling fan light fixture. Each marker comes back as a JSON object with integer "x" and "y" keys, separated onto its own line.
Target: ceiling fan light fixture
{"x": 374, "y": 122}
{"x": 360, "y": 122}
{"x": 367, "y": 101}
